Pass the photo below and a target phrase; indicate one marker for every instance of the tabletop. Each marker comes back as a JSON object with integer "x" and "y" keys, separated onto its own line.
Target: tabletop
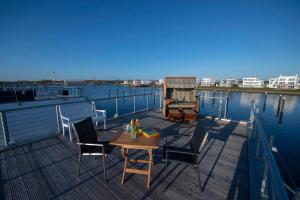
{"x": 141, "y": 142}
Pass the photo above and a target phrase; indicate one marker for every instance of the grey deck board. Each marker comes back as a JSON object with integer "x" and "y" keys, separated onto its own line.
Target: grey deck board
{"x": 46, "y": 169}
{"x": 31, "y": 183}
{"x": 15, "y": 179}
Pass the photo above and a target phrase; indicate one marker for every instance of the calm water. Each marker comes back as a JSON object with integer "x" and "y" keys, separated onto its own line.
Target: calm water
{"x": 286, "y": 132}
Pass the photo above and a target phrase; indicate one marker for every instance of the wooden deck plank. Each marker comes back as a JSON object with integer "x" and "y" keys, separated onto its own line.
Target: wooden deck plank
{"x": 31, "y": 183}
{"x": 68, "y": 168}
{"x": 66, "y": 172}
{"x": 58, "y": 183}
{"x": 15, "y": 179}
{"x": 44, "y": 180}
{"x": 93, "y": 167}
{"x": 49, "y": 166}
{"x": 4, "y": 177}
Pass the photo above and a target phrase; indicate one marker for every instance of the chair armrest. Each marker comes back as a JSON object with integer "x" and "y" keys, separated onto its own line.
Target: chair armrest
{"x": 103, "y": 112}
{"x": 95, "y": 145}
{"x": 89, "y": 144}
{"x": 65, "y": 118}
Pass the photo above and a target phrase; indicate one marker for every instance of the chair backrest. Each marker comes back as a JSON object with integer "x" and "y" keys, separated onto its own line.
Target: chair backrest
{"x": 85, "y": 131}
{"x": 198, "y": 140}
{"x": 77, "y": 110}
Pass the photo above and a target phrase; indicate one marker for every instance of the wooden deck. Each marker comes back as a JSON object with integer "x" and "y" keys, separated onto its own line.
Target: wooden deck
{"x": 47, "y": 169}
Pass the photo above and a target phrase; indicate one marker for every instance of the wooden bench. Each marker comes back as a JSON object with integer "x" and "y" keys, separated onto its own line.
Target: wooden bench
{"x": 189, "y": 115}
{"x": 175, "y": 115}
{"x": 71, "y": 113}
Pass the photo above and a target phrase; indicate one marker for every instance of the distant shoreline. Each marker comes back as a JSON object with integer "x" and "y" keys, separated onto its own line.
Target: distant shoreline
{"x": 253, "y": 90}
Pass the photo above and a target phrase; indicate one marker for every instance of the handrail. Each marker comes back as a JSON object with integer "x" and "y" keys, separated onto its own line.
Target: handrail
{"x": 265, "y": 179}
{"x": 64, "y": 103}
{"x": 45, "y": 120}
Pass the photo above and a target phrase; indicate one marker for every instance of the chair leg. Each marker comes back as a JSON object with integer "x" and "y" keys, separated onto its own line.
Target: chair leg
{"x": 78, "y": 164}
{"x": 63, "y": 131}
{"x": 104, "y": 168}
{"x": 199, "y": 180}
{"x": 166, "y": 173}
{"x": 104, "y": 124}
{"x": 70, "y": 133}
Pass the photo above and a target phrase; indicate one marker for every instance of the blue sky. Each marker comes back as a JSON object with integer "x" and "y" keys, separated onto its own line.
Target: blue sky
{"x": 148, "y": 39}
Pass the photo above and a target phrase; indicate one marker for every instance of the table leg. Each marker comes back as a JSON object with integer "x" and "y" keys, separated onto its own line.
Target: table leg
{"x": 149, "y": 171}
{"x": 125, "y": 164}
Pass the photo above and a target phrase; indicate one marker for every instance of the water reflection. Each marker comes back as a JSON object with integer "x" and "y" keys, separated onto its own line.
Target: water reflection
{"x": 247, "y": 97}
{"x": 265, "y": 101}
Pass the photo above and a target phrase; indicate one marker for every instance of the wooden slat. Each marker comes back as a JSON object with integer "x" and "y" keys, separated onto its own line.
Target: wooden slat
{"x": 137, "y": 171}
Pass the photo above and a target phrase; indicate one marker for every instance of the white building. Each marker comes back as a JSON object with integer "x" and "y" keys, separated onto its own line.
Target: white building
{"x": 159, "y": 82}
{"x": 287, "y": 82}
{"x": 145, "y": 82}
{"x": 136, "y": 82}
{"x": 273, "y": 83}
{"x": 253, "y": 82}
{"x": 125, "y": 82}
{"x": 228, "y": 82}
{"x": 208, "y": 82}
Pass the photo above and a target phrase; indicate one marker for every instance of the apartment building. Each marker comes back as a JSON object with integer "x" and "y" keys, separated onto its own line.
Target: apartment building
{"x": 228, "y": 82}
{"x": 208, "y": 82}
{"x": 287, "y": 82}
{"x": 254, "y": 82}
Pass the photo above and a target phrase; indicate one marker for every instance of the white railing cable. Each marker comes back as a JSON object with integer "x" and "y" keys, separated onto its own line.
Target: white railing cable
{"x": 271, "y": 182}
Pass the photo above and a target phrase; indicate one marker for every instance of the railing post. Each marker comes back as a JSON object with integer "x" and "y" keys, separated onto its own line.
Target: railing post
{"x": 251, "y": 118}
{"x": 160, "y": 100}
{"x": 257, "y": 146}
{"x": 257, "y": 137}
{"x": 57, "y": 118}
{"x": 226, "y": 108}
{"x": 133, "y": 103}
{"x": 265, "y": 178}
{"x": 147, "y": 99}
{"x": 271, "y": 141}
{"x": 5, "y": 129}
{"x": 117, "y": 109}
{"x": 220, "y": 107}
{"x": 16, "y": 96}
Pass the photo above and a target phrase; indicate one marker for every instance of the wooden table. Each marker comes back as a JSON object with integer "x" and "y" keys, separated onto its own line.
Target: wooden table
{"x": 141, "y": 142}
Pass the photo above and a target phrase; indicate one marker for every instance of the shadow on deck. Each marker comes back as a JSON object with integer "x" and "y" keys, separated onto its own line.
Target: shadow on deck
{"x": 47, "y": 169}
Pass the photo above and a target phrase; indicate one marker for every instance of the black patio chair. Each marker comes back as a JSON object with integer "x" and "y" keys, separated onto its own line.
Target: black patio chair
{"x": 189, "y": 156}
{"x": 88, "y": 143}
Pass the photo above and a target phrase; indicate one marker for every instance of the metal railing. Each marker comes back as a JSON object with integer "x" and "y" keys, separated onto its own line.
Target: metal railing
{"x": 40, "y": 93}
{"x": 25, "y": 124}
{"x": 215, "y": 107}
{"x": 264, "y": 176}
